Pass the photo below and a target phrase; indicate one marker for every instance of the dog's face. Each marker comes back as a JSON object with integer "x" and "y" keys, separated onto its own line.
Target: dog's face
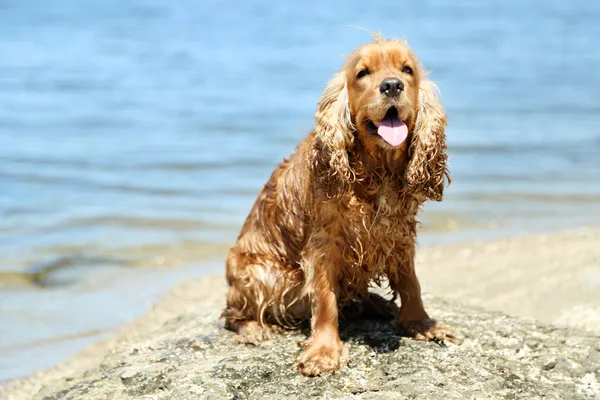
{"x": 382, "y": 101}
{"x": 383, "y": 83}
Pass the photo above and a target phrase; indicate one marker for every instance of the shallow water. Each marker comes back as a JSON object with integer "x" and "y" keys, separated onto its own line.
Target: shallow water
{"x": 138, "y": 134}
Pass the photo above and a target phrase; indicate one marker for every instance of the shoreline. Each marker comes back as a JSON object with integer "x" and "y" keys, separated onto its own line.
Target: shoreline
{"x": 553, "y": 277}
{"x": 518, "y": 276}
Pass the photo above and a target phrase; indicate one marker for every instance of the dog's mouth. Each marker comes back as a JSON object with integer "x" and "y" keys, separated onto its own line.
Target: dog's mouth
{"x": 390, "y": 128}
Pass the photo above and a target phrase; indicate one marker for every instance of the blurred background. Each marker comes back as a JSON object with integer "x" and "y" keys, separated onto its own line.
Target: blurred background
{"x": 135, "y": 135}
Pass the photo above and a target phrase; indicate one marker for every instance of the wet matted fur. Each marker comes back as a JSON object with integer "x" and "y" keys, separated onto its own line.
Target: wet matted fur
{"x": 339, "y": 214}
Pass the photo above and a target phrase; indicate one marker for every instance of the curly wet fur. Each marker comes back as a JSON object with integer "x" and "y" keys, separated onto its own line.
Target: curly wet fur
{"x": 339, "y": 214}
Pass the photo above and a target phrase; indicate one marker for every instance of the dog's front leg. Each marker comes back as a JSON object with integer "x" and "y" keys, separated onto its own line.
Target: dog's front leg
{"x": 325, "y": 351}
{"x": 413, "y": 321}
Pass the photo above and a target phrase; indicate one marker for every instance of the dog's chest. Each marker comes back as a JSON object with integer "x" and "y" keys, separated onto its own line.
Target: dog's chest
{"x": 380, "y": 224}
{"x": 377, "y": 235}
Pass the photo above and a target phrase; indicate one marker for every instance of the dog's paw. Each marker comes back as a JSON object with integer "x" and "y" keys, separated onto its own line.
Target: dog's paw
{"x": 426, "y": 330}
{"x": 319, "y": 360}
{"x": 251, "y": 332}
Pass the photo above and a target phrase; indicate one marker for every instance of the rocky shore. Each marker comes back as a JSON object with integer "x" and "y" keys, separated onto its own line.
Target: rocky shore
{"x": 179, "y": 351}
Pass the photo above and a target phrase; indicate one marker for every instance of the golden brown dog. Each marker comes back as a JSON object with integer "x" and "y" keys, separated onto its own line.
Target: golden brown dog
{"x": 339, "y": 214}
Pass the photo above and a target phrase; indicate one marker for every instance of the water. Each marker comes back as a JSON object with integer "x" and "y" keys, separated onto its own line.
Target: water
{"x": 135, "y": 135}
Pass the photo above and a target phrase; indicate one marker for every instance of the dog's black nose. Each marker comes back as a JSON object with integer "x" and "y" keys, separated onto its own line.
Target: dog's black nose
{"x": 391, "y": 87}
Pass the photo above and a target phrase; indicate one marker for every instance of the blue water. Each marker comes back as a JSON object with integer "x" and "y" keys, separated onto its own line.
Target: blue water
{"x": 137, "y": 133}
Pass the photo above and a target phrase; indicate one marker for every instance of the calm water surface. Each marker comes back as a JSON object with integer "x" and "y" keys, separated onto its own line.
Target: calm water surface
{"x": 136, "y": 134}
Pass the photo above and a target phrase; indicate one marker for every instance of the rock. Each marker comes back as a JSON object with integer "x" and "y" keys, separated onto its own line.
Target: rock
{"x": 548, "y": 362}
{"x": 187, "y": 355}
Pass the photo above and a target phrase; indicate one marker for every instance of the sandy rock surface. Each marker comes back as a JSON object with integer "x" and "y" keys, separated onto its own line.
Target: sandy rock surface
{"x": 179, "y": 350}
{"x": 187, "y": 355}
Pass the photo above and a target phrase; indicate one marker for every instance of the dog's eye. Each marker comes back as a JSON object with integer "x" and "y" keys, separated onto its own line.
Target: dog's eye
{"x": 407, "y": 70}
{"x": 363, "y": 73}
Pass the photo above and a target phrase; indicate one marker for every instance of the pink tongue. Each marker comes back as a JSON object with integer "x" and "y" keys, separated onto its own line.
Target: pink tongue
{"x": 392, "y": 131}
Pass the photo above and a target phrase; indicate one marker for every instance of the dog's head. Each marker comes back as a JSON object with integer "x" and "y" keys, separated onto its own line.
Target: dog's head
{"x": 382, "y": 98}
{"x": 383, "y": 88}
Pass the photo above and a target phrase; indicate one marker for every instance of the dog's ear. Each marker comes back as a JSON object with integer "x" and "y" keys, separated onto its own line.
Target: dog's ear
{"x": 427, "y": 171}
{"x": 334, "y": 126}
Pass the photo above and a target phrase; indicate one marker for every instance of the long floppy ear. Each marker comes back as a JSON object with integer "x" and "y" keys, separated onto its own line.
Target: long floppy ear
{"x": 427, "y": 172}
{"x": 334, "y": 126}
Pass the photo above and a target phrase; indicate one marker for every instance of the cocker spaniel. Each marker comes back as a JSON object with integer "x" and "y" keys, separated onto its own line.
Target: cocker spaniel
{"x": 339, "y": 214}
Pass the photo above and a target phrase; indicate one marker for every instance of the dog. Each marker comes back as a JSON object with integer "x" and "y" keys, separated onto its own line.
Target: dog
{"x": 340, "y": 213}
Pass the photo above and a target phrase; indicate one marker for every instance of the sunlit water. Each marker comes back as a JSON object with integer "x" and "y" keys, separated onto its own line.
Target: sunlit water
{"x": 136, "y": 135}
